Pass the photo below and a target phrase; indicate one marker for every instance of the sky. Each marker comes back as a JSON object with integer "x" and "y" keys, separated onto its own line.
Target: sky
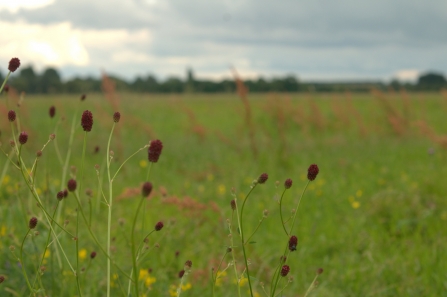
{"x": 315, "y": 40}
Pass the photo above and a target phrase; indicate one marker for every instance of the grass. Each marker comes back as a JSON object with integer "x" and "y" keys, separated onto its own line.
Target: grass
{"x": 373, "y": 219}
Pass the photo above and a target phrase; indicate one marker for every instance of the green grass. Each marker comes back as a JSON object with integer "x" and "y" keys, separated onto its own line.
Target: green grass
{"x": 373, "y": 219}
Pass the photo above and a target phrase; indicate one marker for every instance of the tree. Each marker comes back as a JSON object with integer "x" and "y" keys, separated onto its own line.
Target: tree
{"x": 431, "y": 81}
{"x": 50, "y": 81}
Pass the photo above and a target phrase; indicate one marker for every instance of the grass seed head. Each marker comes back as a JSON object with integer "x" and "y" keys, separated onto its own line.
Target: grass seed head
{"x": 312, "y": 172}
{"x": 14, "y": 64}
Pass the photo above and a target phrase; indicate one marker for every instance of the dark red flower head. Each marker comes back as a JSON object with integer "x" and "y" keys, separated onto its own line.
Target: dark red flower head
{"x": 11, "y": 115}
{"x": 71, "y": 185}
{"x": 263, "y": 178}
{"x": 312, "y": 172}
{"x": 14, "y": 63}
{"x": 93, "y": 255}
{"x": 146, "y": 189}
{"x": 319, "y": 270}
{"x": 65, "y": 193}
{"x": 2, "y": 279}
{"x": 87, "y": 121}
{"x": 60, "y": 195}
{"x": 188, "y": 264}
{"x": 23, "y": 137}
{"x": 293, "y": 242}
{"x": 83, "y": 96}
{"x": 52, "y": 111}
{"x": 116, "y": 117}
{"x": 181, "y": 273}
{"x": 154, "y": 150}
{"x": 288, "y": 183}
{"x": 285, "y": 270}
{"x": 32, "y": 223}
{"x": 158, "y": 226}
{"x": 233, "y": 204}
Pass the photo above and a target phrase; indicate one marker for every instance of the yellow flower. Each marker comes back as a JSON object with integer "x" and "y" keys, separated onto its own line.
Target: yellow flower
{"x": 6, "y": 180}
{"x": 82, "y": 254}
{"x": 143, "y": 163}
{"x": 143, "y": 274}
{"x": 359, "y": 193}
{"x": 186, "y": 286}
{"x": 221, "y": 189}
{"x": 243, "y": 281}
{"x": 149, "y": 281}
{"x": 47, "y": 254}
{"x": 219, "y": 276}
{"x": 2, "y": 230}
{"x": 355, "y": 204}
{"x": 173, "y": 291}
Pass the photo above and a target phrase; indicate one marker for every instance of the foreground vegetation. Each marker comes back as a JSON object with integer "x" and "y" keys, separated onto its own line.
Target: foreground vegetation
{"x": 373, "y": 218}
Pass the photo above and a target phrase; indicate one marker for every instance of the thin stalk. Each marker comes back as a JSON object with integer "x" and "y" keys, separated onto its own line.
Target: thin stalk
{"x": 109, "y": 218}
{"x": 21, "y": 262}
{"x": 4, "y": 81}
{"x": 280, "y": 212}
{"x": 132, "y": 242}
{"x": 312, "y": 285}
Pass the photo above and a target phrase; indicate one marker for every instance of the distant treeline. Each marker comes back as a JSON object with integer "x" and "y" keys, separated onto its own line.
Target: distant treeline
{"x": 49, "y": 81}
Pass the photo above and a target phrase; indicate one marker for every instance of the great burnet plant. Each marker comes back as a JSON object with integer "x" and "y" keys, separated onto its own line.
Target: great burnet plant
{"x": 237, "y": 230}
{"x": 50, "y": 214}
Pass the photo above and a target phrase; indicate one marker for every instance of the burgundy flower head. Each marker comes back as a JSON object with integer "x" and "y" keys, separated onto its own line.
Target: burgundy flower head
{"x": 87, "y": 121}
{"x": 52, "y": 111}
{"x": 93, "y": 255}
{"x": 288, "y": 183}
{"x": 285, "y": 270}
{"x": 154, "y": 150}
{"x": 158, "y": 226}
{"x": 319, "y": 270}
{"x": 14, "y": 63}
{"x": 60, "y": 195}
{"x": 23, "y": 137}
{"x": 233, "y": 204}
{"x": 293, "y": 242}
{"x": 312, "y": 172}
{"x": 146, "y": 189}
{"x": 263, "y": 178}
{"x": 11, "y": 115}
{"x": 116, "y": 117}
{"x": 65, "y": 193}
{"x": 188, "y": 264}
{"x": 181, "y": 273}
{"x": 32, "y": 223}
{"x": 2, "y": 279}
{"x": 71, "y": 185}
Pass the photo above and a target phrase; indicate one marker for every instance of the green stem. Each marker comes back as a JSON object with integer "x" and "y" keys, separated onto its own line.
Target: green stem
{"x": 312, "y": 285}
{"x": 109, "y": 217}
{"x": 21, "y": 261}
{"x": 108, "y": 161}
{"x": 132, "y": 242}
{"x": 280, "y": 213}
{"x": 242, "y": 238}
{"x": 4, "y": 81}
{"x": 257, "y": 227}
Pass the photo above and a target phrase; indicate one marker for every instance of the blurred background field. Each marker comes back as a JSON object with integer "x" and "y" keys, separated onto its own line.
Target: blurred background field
{"x": 374, "y": 219}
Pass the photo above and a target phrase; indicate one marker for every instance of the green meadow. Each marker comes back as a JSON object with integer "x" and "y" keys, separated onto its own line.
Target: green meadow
{"x": 374, "y": 218}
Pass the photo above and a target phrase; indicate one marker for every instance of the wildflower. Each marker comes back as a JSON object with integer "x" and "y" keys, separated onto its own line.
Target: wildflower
{"x": 82, "y": 254}
{"x": 319, "y": 270}
{"x": 188, "y": 264}
{"x": 116, "y": 117}
{"x": 146, "y": 189}
{"x": 233, "y": 204}
{"x": 11, "y": 115}
{"x": 39, "y": 154}
{"x": 32, "y": 223}
{"x": 2, "y": 278}
{"x": 14, "y": 63}
{"x": 312, "y": 172}
{"x": 87, "y": 121}
{"x": 52, "y": 111}
{"x": 181, "y": 273}
{"x": 154, "y": 150}
{"x": 293, "y": 242}
{"x": 71, "y": 185}
{"x": 60, "y": 195}
{"x": 158, "y": 226}
{"x": 285, "y": 270}
{"x": 52, "y": 136}
{"x": 65, "y": 193}
{"x": 93, "y": 255}
{"x": 23, "y": 137}
{"x": 288, "y": 183}
{"x": 263, "y": 178}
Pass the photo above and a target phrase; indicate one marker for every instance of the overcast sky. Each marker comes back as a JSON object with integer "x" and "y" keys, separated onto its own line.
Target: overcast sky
{"x": 312, "y": 39}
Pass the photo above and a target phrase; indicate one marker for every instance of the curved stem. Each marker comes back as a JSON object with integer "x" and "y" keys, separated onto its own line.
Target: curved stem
{"x": 280, "y": 213}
